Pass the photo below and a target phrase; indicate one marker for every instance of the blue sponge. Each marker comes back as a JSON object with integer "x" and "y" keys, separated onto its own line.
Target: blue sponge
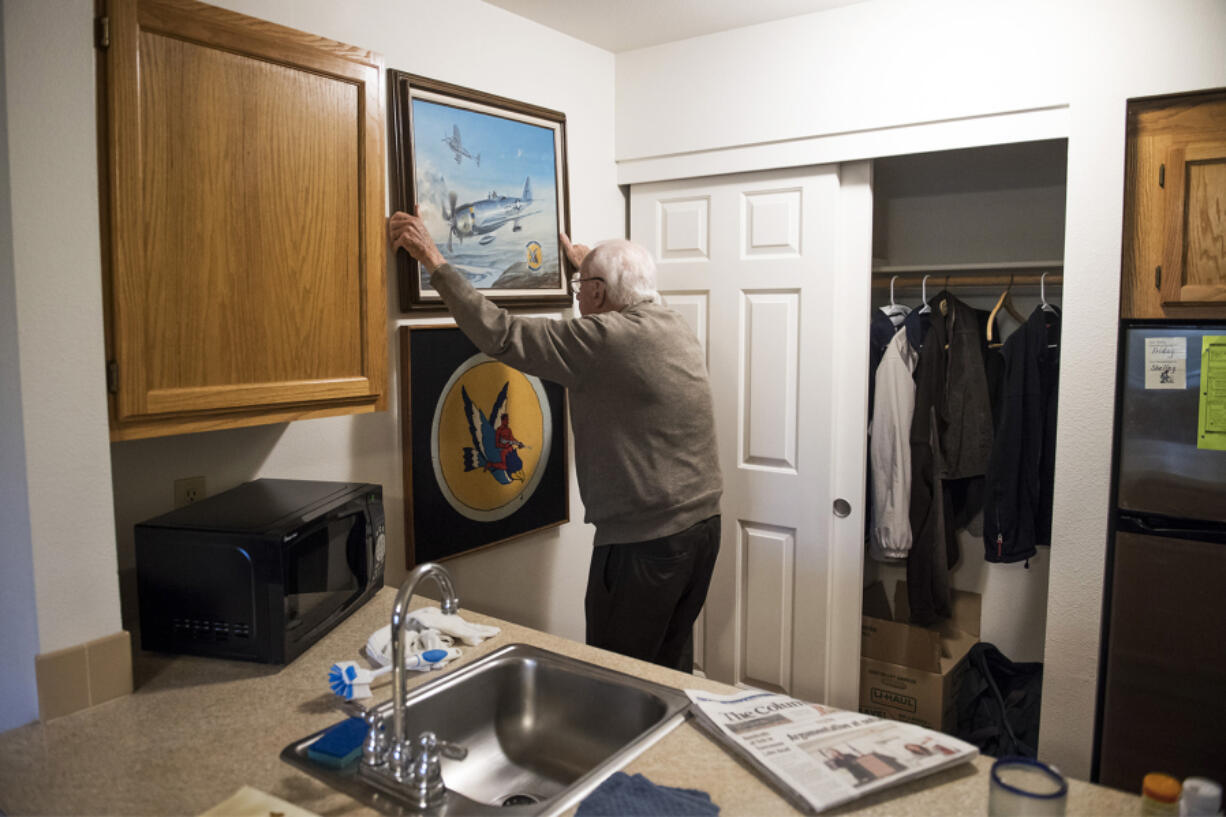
{"x": 340, "y": 745}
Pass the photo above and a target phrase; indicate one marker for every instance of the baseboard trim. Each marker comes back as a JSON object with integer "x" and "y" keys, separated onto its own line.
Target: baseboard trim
{"x": 86, "y": 675}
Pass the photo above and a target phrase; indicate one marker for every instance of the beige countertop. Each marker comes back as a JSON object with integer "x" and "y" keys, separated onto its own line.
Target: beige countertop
{"x": 198, "y": 729}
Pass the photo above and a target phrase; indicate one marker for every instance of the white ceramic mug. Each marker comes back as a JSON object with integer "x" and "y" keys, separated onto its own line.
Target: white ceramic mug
{"x": 1023, "y": 787}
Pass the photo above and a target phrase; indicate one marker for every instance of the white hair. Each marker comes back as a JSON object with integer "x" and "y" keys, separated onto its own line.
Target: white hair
{"x": 628, "y": 270}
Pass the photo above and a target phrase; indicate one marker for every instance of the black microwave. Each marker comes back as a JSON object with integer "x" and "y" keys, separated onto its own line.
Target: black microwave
{"x": 259, "y": 572}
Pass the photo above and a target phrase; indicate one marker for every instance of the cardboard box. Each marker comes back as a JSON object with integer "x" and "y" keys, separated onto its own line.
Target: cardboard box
{"x": 910, "y": 673}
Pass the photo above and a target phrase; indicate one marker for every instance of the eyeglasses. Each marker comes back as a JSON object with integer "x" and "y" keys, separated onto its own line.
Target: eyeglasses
{"x": 575, "y": 280}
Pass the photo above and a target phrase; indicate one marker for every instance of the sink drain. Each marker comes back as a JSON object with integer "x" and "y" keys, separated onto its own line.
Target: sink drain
{"x": 520, "y": 800}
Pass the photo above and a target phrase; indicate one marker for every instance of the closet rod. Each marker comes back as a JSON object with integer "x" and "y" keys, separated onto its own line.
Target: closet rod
{"x": 937, "y": 281}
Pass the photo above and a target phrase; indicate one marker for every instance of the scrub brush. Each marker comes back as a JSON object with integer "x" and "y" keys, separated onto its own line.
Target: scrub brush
{"x": 350, "y": 681}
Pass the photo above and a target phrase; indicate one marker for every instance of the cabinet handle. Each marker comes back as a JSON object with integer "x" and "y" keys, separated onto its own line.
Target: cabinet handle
{"x": 1158, "y": 277}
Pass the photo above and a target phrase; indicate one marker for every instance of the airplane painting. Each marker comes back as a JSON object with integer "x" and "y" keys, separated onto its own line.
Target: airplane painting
{"x": 457, "y": 148}
{"x": 491, "y": 196}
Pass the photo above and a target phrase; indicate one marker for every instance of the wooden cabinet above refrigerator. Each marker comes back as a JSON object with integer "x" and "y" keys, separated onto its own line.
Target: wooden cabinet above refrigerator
{"x": 243, "y": 200}
{"x": 1174, "y": 261}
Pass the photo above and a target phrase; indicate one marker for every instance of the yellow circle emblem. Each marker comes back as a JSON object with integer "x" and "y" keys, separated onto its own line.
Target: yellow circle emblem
{"x": 535, "y": 255}
{"x": 491, "y": 438}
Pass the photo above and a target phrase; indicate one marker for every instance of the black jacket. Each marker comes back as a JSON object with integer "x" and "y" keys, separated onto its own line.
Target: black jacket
{"x": 951, "y": 439}
{"x": 1021, "y": 471}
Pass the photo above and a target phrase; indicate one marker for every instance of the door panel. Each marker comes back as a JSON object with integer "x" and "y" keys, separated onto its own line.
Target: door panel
{"x": 1162, "y": 704}
{"x": 1195, "y": 222}
{"x": 1174, "y": 201}
{"x": 769, "y": 380}
{"x": 683, "y": 228}
{"x": 218, "y": 126}
{"x": 752, "y": 261}
{"x": 769, "y": 564}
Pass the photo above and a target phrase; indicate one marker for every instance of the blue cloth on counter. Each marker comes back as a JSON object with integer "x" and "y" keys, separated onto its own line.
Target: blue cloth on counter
{"x": 623, "y": 795}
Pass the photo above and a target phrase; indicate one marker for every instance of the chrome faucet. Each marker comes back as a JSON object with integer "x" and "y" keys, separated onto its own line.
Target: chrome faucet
{"x": 400, "y": 752}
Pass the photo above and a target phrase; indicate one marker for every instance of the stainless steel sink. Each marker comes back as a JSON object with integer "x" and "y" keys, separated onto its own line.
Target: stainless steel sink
{"x": 541, "y": 731}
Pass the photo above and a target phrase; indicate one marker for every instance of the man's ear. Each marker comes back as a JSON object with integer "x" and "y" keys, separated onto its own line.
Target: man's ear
{"x": 600, "y": 297}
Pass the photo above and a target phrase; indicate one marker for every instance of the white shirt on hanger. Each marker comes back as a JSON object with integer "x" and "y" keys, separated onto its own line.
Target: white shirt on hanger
{"x": 889, "y": 451}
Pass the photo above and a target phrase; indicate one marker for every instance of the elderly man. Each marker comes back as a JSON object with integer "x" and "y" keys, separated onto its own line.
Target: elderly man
{"x": 645, "y": 452}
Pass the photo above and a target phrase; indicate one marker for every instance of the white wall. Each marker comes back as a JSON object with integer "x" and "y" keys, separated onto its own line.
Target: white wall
{"x": 845, "y": 83}
{"x": 854, "y": 69}
{"x": 19, "y": 636}
{"x": 85, "y": 494}
{"x": 49, "y": 81}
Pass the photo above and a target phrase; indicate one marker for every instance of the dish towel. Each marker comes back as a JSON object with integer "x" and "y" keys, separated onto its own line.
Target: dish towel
{"x": 432, "y": 618}
{"x": 623, "y": 795}
{"x": 379, "y": 646}
{"x": 435, "y": 631}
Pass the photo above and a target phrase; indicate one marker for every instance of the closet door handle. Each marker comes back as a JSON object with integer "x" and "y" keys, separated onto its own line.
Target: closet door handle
{"x": 841, "y": 507}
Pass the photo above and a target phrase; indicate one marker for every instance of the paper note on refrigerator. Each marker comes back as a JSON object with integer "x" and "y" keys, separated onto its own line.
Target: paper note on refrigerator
{"x": 1211, "y": 424}
{"x": 1166, "y": 363}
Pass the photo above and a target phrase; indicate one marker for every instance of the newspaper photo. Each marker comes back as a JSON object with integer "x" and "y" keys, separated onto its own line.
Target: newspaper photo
{"x": 818, "y": 756}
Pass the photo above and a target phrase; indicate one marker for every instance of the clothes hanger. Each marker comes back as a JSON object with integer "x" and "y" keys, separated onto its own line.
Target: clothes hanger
{"x": 1005, "y": 301}
{"x": 1044, "y": 305}
{"x": 925, "y": 309}
{"x": 895, "y": 311}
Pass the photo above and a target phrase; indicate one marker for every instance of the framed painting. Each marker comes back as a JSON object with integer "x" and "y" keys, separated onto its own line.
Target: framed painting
{"x": 488, "y": 176}
{"x": 483, "y": 445}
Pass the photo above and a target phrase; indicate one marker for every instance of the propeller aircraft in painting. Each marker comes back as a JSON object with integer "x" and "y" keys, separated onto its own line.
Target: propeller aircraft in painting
{"x": 482, "y": 217}
{"x": 453, "y": 142}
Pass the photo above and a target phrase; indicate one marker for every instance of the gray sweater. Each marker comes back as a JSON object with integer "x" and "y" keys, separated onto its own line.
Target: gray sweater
{"x": 645, "y": 452}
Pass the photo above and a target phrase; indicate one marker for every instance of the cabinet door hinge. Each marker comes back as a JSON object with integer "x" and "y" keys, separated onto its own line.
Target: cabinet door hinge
{"x": 102, "y": 32}
{"x": 112, "y": 377}
{"x": 1158, "y": 277}
{"x": 1162, "y": 175}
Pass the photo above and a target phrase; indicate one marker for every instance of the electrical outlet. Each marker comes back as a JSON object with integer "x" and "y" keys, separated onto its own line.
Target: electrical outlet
{"x": 189, "y": 490}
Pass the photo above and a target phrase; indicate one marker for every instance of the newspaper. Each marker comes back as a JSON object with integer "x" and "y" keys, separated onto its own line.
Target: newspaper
{"x": 818, "y": 756}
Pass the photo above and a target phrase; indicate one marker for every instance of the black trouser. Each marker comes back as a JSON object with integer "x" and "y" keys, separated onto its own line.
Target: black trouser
{"x": 643, "y": 597}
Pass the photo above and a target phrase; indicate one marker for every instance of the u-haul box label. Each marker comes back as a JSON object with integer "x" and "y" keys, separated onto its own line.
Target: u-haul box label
{"x": 894, "y": 700}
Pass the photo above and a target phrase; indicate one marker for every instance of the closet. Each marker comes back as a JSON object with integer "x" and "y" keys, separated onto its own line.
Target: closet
{"x": 975, "y": 223}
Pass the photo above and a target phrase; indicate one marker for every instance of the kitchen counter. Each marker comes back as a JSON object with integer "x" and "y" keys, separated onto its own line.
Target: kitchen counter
{"x": 197, "y": 729}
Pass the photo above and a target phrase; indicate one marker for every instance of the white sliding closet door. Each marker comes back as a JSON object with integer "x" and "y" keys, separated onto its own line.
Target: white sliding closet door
{"x": 772, "y": 270}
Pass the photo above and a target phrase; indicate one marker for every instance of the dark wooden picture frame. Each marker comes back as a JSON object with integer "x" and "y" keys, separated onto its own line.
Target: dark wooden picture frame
{"x": 438, "y": 366}
{"x": 505, "y": 239}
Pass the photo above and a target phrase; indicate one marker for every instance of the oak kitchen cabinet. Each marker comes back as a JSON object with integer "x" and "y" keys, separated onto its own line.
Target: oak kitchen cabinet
{"x": 1174, "y": 262}
{"x": 243, "y": 232}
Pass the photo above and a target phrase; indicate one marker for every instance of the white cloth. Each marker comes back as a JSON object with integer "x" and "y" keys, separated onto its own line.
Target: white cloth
{"x": 889, "y": 451}
{"x": 452, "y": 625}
{"x": 438, "y": 631}
{"x": 379, "y": 645}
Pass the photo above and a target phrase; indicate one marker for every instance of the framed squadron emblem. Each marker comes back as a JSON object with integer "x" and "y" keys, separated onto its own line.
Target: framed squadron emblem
{"x": 488, "y": 176}
{"x": 484, "y": 447}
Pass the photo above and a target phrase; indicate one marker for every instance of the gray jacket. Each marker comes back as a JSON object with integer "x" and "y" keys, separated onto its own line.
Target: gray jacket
{"x": 641, "y": 408}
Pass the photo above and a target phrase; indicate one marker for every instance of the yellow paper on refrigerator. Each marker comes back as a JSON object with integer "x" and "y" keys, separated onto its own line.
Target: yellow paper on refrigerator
{"x": 1211, "y": 420}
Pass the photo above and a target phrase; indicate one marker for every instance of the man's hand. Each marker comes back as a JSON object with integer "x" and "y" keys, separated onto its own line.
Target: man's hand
{"x": 409, "y": 233}
{"x": 574, "y": 252}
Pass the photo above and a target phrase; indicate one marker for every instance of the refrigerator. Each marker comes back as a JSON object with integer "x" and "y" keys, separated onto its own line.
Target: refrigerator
{"x": 1162, "y": 679}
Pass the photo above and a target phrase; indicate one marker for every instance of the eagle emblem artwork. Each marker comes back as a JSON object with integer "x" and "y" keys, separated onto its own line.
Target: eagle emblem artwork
{"x": 491, "y": 437}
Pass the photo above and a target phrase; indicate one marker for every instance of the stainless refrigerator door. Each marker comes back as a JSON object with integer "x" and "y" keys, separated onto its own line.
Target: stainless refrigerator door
{"x": 1164, "y": 707}
{"x": 1161, "y": 469}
